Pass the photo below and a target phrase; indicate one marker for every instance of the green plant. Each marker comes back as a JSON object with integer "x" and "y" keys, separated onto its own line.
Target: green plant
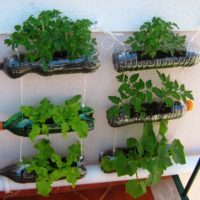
{"x": 67, "y": 117}
{"x": 134, "y": 92}
{"x": 50, "y": 167}
{"x": 155, "y": 36}
{"x": 152, "y": 153}
{"x": 49, "y": 33}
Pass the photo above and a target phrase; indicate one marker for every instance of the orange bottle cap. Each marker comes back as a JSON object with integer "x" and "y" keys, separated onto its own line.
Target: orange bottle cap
{"x": 1, "y": 126}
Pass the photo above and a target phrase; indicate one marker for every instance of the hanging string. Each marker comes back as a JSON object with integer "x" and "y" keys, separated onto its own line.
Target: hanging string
{"x": 84, "y": 90}
{"x": 83, "y": 105}
{"x": 22, "y": 102}
{"x": 115, "y": 140}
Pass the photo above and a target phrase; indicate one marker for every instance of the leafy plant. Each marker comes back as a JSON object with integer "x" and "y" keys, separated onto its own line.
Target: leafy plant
{"x": 50, "y": 33}
{"x": 134, "y": 92}
{"x": 155, "y": 36}
{"x": 152, "y": 153}
{"x": 50, "y": 167}
{"x": 66, "y": 117}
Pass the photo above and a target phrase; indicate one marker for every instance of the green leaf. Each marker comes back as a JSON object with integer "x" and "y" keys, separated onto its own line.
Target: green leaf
{"x": 45, "y": 129}
{"x": 34, "y": 132}
{"x": 79, "y": 126}
{"x": 26, "y": 110}
{"x": 169, "y": 102}
{"x": 126, "y": 109}
{"x": 122, "y": 77}
{"x": 107, "y": 164}
{"x": 124, "y": 90}
{"x": 43, "y": 187}
{"x": 177, "y": 151}
{"x": 175, "y": 95}
{"x": 74, "y": 99}
{"x": 120, "y": 164}
{"x": 114, "y": 99}
{"x": 148, "y": 139}
{"x": 64, "y": 129}
{"x": 157, "y": 92}
{"x": 163, "y": 127}
{"x": 135, "y": 188}
{"x": 149, "y": 96}
{"x": 72, "y": 174}
{"x": 133, "y": 143}
{"x": 134, "y": 78}
{"x": 182, "y": 87}
{"x": 189, "y": 94}
{"x": 154, "y": 177}
{"x": 56, "y": 175}
{"x": 73, "y": 154}
{"x": 113, "y": 112}
{"x": 149, "y": 84}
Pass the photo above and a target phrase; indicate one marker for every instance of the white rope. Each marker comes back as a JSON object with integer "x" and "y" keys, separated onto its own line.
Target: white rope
{"x": 114, "y": 140}
{"x": 22, "y": 102}
{"x": 84, "y": 90}
{"x": 83, "y": 105}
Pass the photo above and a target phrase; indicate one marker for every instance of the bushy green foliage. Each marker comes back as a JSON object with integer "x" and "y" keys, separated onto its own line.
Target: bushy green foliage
{"x": 152, "y": 153}
{"x": 51, "y": 32}
{"x": 155, "y": 36}
{"x": 135, "y": 92}
{"x": 50, "y": 167}
{"x": 67, "y": 117}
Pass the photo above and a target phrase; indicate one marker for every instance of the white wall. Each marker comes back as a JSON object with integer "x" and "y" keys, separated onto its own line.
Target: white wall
{"x": 100, "y": 84}
{"x": 115, "y": 15}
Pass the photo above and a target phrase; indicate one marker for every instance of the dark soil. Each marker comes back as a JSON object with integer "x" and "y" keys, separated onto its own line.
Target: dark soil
{"x": 152, "y": 109}
{"x": 160, "y": 55}
{"x": 60, "y": 54}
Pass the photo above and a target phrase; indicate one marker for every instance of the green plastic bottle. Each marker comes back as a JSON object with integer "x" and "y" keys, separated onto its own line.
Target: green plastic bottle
{"x": 20, "y": 125}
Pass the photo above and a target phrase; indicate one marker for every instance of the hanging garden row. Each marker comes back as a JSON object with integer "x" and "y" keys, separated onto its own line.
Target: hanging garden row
{"x": 55, "y": 44}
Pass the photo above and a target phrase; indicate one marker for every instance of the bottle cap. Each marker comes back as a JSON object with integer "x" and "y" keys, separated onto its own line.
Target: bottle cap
{"x": 1, "y": 126}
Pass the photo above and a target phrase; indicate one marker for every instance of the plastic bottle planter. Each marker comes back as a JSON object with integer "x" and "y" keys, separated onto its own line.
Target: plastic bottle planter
{"x": 130, "y": 61}
{"x": 18, "y": 173}
{"x": 175, "y": 112}
{"x": 20, "y": 125}
{"x": 16, "y": 68}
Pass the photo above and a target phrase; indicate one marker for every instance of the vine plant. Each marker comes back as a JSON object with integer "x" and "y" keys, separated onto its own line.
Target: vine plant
{"x": 49, "y": 33}
{"x": 134, "y": 93}
{"x": 152, "y": 153}
{"x": 156, "y": 36}
{"x": 67, "y": 117}
{"x": 49, "y": 166}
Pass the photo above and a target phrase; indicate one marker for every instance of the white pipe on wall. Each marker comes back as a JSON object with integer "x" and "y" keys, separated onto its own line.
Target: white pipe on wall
{"x": 96, "y": 175}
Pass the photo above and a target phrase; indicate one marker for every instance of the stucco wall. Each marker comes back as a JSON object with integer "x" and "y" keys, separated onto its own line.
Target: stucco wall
{"x": 112, "y": 15}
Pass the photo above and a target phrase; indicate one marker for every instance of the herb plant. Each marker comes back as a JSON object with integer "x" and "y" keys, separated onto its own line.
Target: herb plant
{"x": 50, "y": 167}
{"x": 155, "y": 36}
{"x": 50, "y": 33}
{"x": 151, "y": 152}
{"x": 67, "y": 117}
{"x": 134, "y": 92}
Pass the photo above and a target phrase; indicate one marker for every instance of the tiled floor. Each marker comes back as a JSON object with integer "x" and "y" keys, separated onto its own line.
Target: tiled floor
{"x": 165, "y": 190}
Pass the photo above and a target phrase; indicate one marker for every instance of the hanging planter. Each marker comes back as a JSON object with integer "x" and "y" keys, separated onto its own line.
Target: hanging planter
{"x": 155, "y": 46}
{"x": 135, "y": 103}
{"x": 47, "y": 166}
{"x": 132, "y": 61}
{"x": 152, "y": 114}
{"x": 149, "y": 153}
{"x": 48, "y": 118}
{"x": 54, "y": 44}
{"x": 16, "y": 67}
{"x": 18, "y": 172}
